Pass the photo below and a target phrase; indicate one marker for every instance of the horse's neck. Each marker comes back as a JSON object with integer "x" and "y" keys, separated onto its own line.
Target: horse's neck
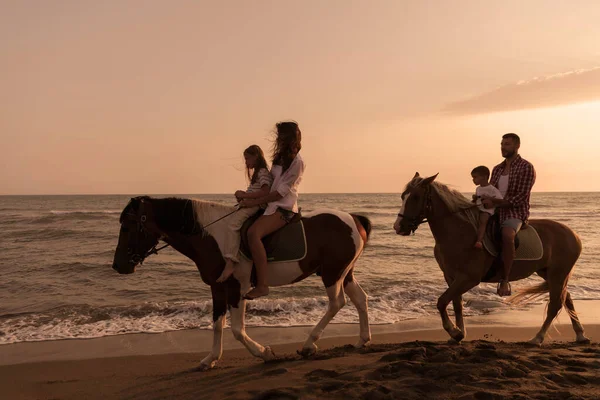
{"x": 445, "y": 225}
{"x": 184, "y": 244}
{"x": 202, "y": 250}
{"x": 205, "y": 249}
{"x": 193, "y": 247}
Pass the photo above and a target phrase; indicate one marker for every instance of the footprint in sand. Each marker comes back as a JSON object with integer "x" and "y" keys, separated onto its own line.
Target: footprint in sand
{"x": 319, "y": 374}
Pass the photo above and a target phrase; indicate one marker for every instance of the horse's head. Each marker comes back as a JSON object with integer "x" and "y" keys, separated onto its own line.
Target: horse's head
{"x": 416, "y": 204}
{"x": 135, "y": 240}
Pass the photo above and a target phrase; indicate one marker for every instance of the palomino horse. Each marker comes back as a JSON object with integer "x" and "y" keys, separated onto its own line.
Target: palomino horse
{"x": 453, "y": 220}
{"x": 334, "y": 241}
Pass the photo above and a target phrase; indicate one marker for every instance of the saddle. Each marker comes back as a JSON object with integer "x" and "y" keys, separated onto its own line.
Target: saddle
{"x": 528, "y": 246}
{"x": 286, "y": 244}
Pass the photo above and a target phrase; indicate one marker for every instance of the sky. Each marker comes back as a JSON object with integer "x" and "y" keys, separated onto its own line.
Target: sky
{"x": 157, "y": 97}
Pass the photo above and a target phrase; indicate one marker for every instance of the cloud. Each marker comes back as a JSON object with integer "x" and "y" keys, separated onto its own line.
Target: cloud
{"x": 577, "y": 86}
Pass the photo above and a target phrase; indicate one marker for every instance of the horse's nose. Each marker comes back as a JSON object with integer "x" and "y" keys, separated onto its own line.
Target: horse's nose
{"x": 114, "y": 266}
{"x": 397, "y": 226}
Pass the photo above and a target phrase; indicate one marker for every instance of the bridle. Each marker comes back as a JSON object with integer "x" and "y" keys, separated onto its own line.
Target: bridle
{"x": 138, "y": 256}
{"x": 426, "y": 209}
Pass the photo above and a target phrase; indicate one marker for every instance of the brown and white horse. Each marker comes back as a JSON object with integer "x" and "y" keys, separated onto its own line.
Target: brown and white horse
{"x": 453, "y": 221}
{"x": 334, "y": 241}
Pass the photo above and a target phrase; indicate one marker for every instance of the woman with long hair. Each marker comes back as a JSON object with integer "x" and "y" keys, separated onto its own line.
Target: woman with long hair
{"x": 282, "y": 201}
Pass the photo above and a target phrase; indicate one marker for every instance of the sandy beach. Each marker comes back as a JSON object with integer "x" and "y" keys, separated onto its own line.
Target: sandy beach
{"x": 406, "y": 360}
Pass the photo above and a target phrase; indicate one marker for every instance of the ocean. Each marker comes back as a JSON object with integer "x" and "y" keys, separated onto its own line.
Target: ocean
{"x": 57, "y": 281}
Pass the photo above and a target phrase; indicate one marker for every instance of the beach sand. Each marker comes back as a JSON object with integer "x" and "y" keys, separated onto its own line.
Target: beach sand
{"x": 409, "y": 360}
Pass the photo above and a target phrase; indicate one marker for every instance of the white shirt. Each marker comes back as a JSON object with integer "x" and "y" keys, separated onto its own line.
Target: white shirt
{"x": 503, "y": 185}
{"x": 286, "y": 184}
{"x": 489, "y": 191}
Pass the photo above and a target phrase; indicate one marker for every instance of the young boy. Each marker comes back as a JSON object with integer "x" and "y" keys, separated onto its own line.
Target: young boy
{"x": 481, "y": 176}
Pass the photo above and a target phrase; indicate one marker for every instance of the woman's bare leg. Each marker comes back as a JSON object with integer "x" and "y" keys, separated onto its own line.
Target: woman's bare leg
{"x": 264, "y": 226}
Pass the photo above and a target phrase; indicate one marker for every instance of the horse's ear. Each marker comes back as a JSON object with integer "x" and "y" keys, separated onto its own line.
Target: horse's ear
{"x": 416, "y": 175}
{"x": 428, "y": 181}
{"x": 135, "y": 202}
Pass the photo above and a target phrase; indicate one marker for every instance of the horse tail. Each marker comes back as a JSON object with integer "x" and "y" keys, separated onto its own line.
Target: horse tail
{"x": 530, "y": 294}
{"x": 364, "y": 223}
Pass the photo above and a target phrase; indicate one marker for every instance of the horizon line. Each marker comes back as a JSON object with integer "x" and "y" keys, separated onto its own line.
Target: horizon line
{"x": 225, "y": 194}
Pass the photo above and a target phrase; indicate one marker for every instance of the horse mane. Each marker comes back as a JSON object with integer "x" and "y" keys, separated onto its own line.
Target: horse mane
{"x": 207, "y": 212}
{"x": 170, "y": 214}
{"x": 176, "y": 215}
{"x": 453, "y": 199}
{"x": 457, "y": 203}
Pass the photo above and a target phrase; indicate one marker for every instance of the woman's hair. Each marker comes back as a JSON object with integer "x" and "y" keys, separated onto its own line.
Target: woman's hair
{"x": 261, "y": 162}
{"x": 287, "y": 141}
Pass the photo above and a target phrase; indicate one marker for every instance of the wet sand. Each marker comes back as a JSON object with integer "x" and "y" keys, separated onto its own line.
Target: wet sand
{"x": 405, "y": 361}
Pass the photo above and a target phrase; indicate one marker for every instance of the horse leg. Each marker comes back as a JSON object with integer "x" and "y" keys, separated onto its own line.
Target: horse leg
{"x": 581, "y": 338}
{"x": 238, "y": 329}
{"x": 217, "y": 349}
{"x": 554, "y": 306}
{"x": 219, "y": 310}
{"x": 459, "y": 285}
{"x": 359, "y": 298}
{"x": 577, "y": 327}
{"x": 337, "y": 300}
{"x": 457, "y": 303}
{"x": 557, "y": 286}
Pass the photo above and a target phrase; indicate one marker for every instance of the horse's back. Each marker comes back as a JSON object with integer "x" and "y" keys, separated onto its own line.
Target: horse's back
{"x": 554, "y": 233}
{"x": 329, "y": 219}
{"x": 335, "y": 230}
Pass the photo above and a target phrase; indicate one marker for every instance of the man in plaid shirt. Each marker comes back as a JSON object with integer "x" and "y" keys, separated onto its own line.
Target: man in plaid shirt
{"x": 514, "y": 177}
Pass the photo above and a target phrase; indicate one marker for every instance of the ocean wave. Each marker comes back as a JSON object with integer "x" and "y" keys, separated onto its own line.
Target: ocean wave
{"x": 54, "y": 216}
{"x": 399, "y": 303}
{"x": 68, "y": 212}
{"x": 403, "y": 301}
{"x": 44, "y": 234}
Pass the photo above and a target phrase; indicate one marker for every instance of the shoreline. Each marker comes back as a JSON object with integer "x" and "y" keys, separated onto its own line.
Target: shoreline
{"x": 515, "y": 324}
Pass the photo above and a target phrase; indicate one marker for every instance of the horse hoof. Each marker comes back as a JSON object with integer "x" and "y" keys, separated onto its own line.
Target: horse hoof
{"x": 457, "y": 336}
{"x": 362, "y": 343}
{"x": 583, "y": 340}
{"x": 268, "y": 354}
{"x": 535, "y": 341}
{"x": 453, "y": 341}
{"x": 207, "y": 363}
{"x": 307, "y": 351}
{"x": 204, "y": 367}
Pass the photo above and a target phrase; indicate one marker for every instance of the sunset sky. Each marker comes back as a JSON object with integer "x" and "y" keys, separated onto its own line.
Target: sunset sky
{"x": 158, "y": 97}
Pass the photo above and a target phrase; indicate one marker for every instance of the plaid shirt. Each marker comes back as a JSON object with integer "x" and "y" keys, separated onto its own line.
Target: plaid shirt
{"x": 520, "y": 181}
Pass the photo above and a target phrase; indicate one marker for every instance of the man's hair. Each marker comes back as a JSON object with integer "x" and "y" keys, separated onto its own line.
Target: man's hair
{"x": 512, "y": 136}
{"x": 481, "y": 170}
